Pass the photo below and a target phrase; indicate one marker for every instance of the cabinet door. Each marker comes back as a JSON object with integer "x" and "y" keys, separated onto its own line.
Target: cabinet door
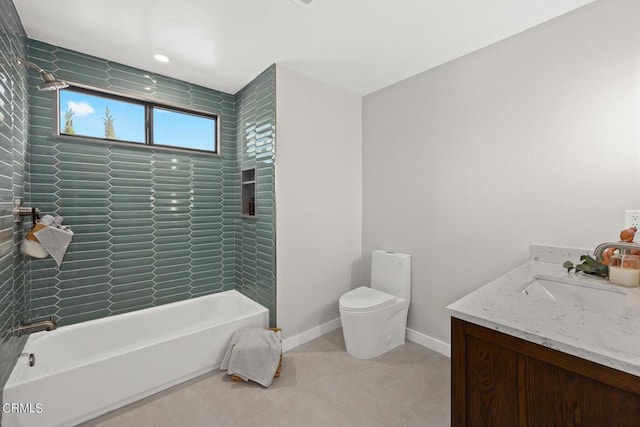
{"x": 558, "y": 397}
{"x": 483, "y": 379}
{"x": 491, "y": 384}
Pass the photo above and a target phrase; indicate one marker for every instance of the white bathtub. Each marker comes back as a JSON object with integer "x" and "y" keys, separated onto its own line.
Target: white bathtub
{"x": 90, "y": 368}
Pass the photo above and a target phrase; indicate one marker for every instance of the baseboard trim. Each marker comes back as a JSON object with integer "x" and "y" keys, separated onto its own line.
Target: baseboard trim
{"x": 310, "y": 334}
{"x": 429, "y": 342}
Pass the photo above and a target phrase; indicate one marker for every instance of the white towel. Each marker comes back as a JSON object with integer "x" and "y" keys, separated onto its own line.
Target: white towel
{"x": 55, "y": 240}
{"x": 253, "y": 354}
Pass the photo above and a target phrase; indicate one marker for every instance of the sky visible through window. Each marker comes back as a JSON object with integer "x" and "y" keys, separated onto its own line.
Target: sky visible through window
{"x": 94, "y": 116}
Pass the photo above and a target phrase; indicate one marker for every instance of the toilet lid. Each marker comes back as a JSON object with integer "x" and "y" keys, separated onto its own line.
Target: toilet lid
{"x": 365, "y": 298}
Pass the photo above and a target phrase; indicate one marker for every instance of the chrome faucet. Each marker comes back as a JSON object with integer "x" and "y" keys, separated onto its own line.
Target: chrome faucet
{"x": 42, "y": 325}
{"x": 623, "y": 246}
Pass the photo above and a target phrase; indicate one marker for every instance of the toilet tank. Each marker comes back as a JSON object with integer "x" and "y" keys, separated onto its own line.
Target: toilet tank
{"x": 391, "y": 273}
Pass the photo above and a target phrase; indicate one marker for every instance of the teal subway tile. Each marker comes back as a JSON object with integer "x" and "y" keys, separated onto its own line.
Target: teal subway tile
{"x": 172, "y": 180}
{"x": 132, "y": 247}
{"x": 170, "y": 280}
{"x": 127, "y": 199}
{"x": 171, "y": 212}
{"x": 164, "y": 222}
{"x": 134, "y": 158}
{"x": 195, "y": 269}
{"x": 91, "y": 290}
{"x": 177, "y": 291}
{"x": 76, "y": 193}
{"x": 83, "y": 185}
{"x": 202, "y": 213}
{"x": 170, "y": 262}
{"x": 126, "y": 263}
{"x": 91, "y": 228}
{"x": 170, "y": 83}
{"x": 82, "y": 148}
{"x": 145, "y": 294}
{"x": 183, "y": 240}
{"x": 204, "y": 253}
{"x": 89, "y": 242}
{"x": 201, "y": 232}
{"x": 170, "y": 232}
{"x": 43, "y": 302}
{"x": 131, "y": 238}
{"x": 72, "y": 310}
{"x": 81, "y": 176}
{"x": 43, "y": 272}
{"x": 137, "y": 176}
{"x": 131, "y": 271}
{"x": 210, "y": 282}
{"x": 130, "y": 227}
{"x": 168, "y": 247}
{"x": 124, "y": 86}
{"x": 43, "y": 293}
{"x": 85, "y": 254}
{"x": 117, "y": 213}
{"x": 41, "y": 188}
{"x": 141, "y": 225}
{"x": 132, "y": 183}
{"x": 144, "y": 254}
{"x": 44, "y": 283}
{"x": 84, "y": 273}
{"x": 170, "y": 271}
{"x": 171, "y": 191}
{"x": 90, "y": 64}
{"x": 196, "y": 263}
{"x": 206, "y": 274}
{"x": 142, "y": 277}
{"x": 206, "y": 240}
{"x": 132, "y": 76}
{"x": 75, "y": 212}
{"x": 129, "y": 286}
{"x": 177, "y": 253}
{"x": 78, "y": 157}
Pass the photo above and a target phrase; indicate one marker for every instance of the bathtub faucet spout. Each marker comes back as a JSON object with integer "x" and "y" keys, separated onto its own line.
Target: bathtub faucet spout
{"x": 42, "y": 325}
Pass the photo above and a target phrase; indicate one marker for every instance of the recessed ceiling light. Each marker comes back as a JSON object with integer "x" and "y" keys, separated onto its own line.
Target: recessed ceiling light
{"x": 304, "y": 3}
{"x": 161, "y": 58}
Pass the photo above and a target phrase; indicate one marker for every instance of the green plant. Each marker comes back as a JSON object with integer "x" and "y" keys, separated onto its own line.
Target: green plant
{"x": 588, "y": 265}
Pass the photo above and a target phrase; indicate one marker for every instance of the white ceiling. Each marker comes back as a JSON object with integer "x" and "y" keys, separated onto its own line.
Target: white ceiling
{"x": 356, "y": 45}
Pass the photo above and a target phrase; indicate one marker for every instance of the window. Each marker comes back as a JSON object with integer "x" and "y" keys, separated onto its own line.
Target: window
{"x": 91, "y": 114}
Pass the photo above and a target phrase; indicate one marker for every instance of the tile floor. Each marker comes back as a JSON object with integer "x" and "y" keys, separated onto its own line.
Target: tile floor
{"x": 320, "y": 385}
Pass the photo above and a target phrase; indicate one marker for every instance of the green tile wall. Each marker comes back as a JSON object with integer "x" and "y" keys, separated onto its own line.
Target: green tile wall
{"x": 255, "y": 246}
{"x": 151, "y": 226}
{"x": 14, "y": 272}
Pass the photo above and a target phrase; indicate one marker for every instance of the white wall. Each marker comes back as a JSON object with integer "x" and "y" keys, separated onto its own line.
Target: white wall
{"x": 532, "y": 140}
{"x": 318, "y": 200}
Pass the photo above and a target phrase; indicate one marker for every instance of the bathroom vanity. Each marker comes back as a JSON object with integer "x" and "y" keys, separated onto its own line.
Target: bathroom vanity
{"x": 541, "y": 347}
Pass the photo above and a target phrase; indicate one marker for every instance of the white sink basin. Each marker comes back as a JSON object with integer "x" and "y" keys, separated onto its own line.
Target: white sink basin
{"x": 569, "y": 291}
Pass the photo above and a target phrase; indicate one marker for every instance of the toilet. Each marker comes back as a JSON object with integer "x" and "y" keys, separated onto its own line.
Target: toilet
{"x": 374, "y": 319}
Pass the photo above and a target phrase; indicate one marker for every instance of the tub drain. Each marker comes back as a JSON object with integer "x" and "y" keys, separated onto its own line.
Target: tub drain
{"x": 32, "y": 359}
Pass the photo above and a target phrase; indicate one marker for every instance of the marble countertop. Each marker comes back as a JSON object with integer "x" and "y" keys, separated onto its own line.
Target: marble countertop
{"x": 610, "y": 337}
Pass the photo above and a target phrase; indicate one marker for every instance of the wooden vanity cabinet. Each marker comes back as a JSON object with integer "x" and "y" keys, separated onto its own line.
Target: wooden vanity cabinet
{"x": 500, "y": 380}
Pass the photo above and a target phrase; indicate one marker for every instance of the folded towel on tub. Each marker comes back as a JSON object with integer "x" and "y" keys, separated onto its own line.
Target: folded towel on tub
{"x": 253, "y": 354}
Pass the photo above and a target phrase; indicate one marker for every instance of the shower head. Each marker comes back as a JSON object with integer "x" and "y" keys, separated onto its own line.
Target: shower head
{"x": 49, "y": 80}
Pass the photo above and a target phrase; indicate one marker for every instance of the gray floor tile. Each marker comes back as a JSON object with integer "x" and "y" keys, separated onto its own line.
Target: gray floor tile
{"x": 320, "y": 385}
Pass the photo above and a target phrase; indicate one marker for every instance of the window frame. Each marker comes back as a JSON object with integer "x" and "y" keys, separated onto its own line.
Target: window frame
{"x": 148, "y": 103}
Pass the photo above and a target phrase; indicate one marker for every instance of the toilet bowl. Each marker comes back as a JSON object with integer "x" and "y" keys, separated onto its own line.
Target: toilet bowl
{"x": 374, "y": 319}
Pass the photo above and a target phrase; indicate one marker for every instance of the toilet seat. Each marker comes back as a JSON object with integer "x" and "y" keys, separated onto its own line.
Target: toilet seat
{"x": 365, "y": 298}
